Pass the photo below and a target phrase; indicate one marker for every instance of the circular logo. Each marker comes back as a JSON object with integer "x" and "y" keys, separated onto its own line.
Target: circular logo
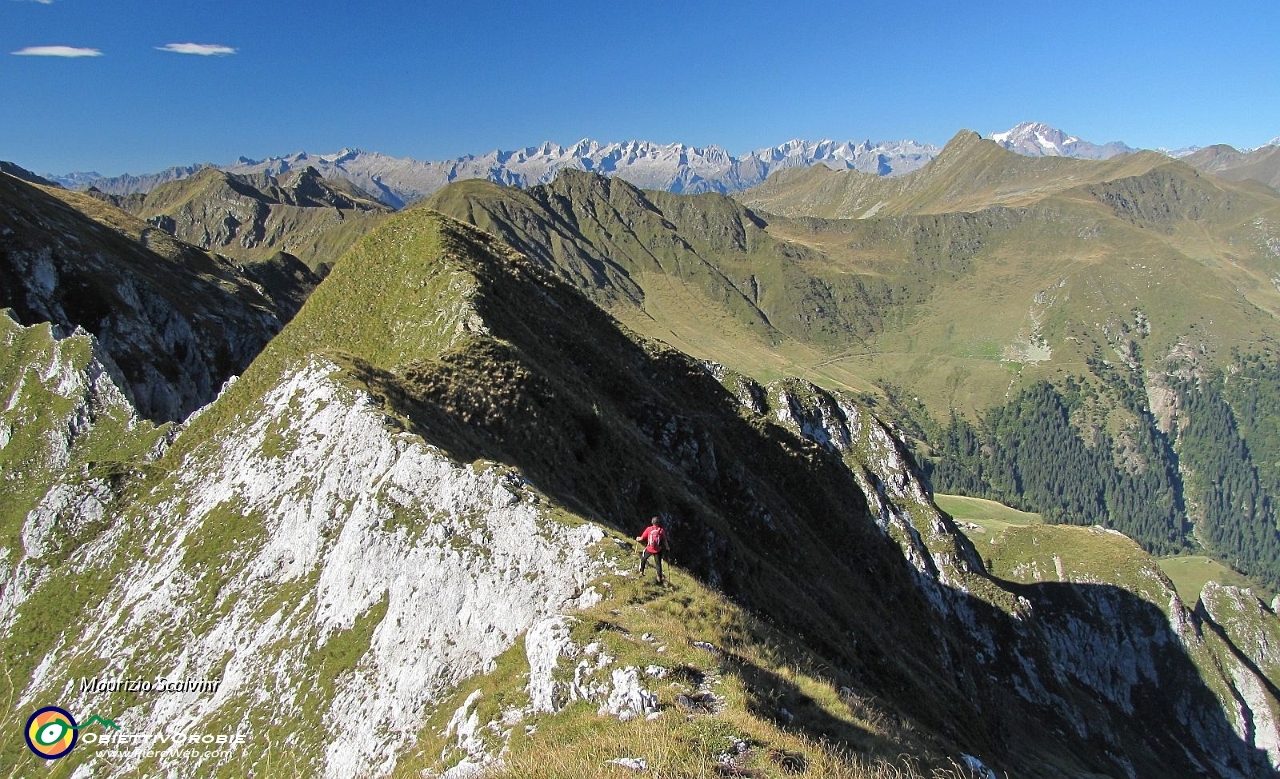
{"x": 51, "y": 732}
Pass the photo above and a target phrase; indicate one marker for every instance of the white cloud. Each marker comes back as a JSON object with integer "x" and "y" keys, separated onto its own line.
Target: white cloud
{"x": 56, "y": 51}
{"x": 202, "y": 49}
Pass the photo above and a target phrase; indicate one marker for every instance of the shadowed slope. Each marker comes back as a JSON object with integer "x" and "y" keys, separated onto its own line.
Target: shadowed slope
{"x": 175, "y": 320}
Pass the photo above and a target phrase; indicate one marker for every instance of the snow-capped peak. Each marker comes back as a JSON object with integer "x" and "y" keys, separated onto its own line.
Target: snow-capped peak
{"x": 345, "y": 154}
{"x": 1037, "y": 139}
{"x": 1038, "y": 136}
{"x": 1185, "y": 151}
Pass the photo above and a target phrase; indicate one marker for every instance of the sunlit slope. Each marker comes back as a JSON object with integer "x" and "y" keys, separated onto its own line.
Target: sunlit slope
{"x": 699, "y": 272}
{"x": 970, "y": 174}
{"x": 252, "y": 218}
{"x": 444, "y": 423}
{"x": 953, "y": 304}
{"x": 1169, "y": 260}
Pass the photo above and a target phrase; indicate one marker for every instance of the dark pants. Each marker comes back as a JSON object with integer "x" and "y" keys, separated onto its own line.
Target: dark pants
{"x": 657, "y": 561}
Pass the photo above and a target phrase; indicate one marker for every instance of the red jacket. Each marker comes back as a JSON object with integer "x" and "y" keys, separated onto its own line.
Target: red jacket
{"x": 654, "y": 538}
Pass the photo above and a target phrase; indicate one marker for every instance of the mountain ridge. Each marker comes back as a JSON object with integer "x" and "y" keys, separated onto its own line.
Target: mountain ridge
{"x": 675, "y": 167}
{"x": 252, "y": 217}
{"x": 414, "y": 475}
{"x": 1260, "y": 164}
{"x": 970, "y": 173}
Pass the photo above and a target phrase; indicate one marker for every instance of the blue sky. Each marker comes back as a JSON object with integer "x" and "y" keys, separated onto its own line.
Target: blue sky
{"x": 435, "y": 80}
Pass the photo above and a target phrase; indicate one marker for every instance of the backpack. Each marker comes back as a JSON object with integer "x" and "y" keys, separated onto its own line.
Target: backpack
{"x": 656, "y": 537}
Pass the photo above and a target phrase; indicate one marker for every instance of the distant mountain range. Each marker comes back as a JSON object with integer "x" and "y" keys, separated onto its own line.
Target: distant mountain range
{"x": 675, "y": 167}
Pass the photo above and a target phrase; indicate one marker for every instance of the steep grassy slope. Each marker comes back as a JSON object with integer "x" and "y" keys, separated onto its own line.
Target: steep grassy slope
{"x": 174, "y": 321}
{"x": 700, "y": 272}
{"x": 67, "y": 433}
{"x": 948, "y": 303}
{"x": 439, "y": 460}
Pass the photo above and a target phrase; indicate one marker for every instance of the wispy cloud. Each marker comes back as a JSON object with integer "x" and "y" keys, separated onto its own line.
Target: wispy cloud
{"x": 56, "y": 51}
{"x": 201, "y": 49}
{"x": 41, "y": 2}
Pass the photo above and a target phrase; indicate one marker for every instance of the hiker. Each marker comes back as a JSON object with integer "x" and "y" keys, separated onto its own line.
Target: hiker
{"x": 654, "y": 539}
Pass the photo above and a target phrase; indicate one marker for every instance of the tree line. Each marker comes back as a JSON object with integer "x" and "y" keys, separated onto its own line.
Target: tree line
{"x": 1209, "y": 485}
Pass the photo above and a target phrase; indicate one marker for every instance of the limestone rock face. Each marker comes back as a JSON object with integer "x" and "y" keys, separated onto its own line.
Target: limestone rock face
{"x": 62, "y": 398}
{"x": 1249, "y": 632}
{"x": 620, "y": 691}
{"x": 313, "y": 530}
{"x": 878, "y": 460}
{"x": 1115, "y": 646}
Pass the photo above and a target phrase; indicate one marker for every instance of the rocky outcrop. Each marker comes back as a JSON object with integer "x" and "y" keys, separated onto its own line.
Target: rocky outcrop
{"x": 900, "y": 503}
{"x": 63, "y": 408}
{"x": 1099, "y": 638}
{"x": 176, "y": 321}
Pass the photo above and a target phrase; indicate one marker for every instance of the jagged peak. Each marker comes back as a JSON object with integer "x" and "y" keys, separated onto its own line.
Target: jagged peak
{"x": 343, "y": 155}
